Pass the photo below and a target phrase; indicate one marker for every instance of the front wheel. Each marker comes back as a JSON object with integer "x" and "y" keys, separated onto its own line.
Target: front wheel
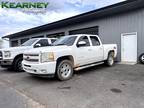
{"x": 110, "y": 59}
{"x": 64, "y": 70}
{"x": 18, "y": 64}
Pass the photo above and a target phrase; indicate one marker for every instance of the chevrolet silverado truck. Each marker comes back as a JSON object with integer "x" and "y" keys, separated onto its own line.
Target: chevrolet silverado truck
{"x": 12, "y": 57}
{"x": 69, "y": 53}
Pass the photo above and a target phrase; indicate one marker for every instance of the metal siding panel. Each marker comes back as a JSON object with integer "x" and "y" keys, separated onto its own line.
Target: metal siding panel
{"x": 141, "y": 40}
{"x": 111, "y": 28}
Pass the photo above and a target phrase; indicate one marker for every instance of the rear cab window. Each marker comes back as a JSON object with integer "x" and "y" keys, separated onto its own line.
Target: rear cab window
{"x": 95, "y": 41}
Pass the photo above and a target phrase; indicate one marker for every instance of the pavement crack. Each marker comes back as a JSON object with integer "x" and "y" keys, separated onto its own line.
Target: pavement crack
{"x": 67, "y": 87}
{"x": 30, "y": 103}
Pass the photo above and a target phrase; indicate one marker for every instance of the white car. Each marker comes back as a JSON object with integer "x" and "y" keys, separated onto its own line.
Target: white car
{"x": 12, "y": 57}
{"x": 67, "y": 54}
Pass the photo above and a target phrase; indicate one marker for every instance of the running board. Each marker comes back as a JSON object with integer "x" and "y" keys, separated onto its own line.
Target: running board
{"x": 91, "y": 65}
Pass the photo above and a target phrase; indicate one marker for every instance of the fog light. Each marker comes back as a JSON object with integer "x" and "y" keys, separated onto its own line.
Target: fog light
{"x": 43, "y": 71}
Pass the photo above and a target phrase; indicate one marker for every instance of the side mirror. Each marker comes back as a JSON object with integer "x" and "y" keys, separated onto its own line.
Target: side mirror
{"x": 37, "y": 45}
{"x": 81, "y": 44}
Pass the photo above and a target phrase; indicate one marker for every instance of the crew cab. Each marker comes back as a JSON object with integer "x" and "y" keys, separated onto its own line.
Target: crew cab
{"x": 69, "y": 53}
{"x": 13, "y": 56}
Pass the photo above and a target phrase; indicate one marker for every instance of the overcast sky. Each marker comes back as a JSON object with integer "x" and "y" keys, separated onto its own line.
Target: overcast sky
{"x": 12, "y": 21}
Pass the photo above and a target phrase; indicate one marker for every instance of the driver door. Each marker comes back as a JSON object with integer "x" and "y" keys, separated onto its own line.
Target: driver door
{"x": 83, "y": 52}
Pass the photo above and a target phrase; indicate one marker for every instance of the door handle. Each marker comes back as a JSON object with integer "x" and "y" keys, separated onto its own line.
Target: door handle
{"x": 101, "y": 48}
{"x": 89, "y": 49}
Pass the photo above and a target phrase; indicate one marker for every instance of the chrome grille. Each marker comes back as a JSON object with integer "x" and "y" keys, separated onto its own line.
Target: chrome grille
{"x": 31, "y": 54}
{"x": 31, "y": 57}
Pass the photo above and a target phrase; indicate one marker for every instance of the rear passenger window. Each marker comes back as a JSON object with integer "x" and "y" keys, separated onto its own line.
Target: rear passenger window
{"x": 95, "y": 41}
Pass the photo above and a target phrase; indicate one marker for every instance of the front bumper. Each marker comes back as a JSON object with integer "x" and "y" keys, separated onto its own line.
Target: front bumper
{"x": 6, "y": 63}
{"x": 41, "y": 69}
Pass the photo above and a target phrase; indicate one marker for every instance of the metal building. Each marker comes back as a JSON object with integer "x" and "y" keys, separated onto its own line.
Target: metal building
{"x": 121, "y": 23}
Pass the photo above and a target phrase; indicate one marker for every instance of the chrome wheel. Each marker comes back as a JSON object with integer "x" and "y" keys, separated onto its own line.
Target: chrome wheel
{"x": 111, "y": 61}
{"x": 64, "y": 70}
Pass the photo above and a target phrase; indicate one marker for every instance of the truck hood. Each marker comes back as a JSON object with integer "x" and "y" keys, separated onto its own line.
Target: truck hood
{"x": 20, "y": 48}
{"x": 48, "y": 49}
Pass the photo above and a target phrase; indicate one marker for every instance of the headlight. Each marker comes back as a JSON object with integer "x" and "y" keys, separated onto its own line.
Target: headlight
{"x": 47, "y": 57}
{"x": 7, "y": 54}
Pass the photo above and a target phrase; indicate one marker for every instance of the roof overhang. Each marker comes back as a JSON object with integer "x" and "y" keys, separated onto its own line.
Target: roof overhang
{"x": 115, "y": 9}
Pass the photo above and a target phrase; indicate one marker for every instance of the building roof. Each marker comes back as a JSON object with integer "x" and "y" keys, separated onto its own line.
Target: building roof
{"x": 114, "y": 9}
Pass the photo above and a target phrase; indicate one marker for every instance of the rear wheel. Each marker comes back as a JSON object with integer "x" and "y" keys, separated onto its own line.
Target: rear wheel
{"x": 64, "y": 70}
{"x": 110, "y": 59}
{"x": 18, "y": 64}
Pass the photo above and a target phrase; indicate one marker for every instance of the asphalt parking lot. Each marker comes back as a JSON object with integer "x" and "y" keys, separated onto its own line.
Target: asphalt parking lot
{"x": 121, "y": 86}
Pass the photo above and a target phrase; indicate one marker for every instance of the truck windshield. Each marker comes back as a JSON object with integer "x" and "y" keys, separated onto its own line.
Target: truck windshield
{"x": 66, "y": 40}
{"x": 29, "y": 42}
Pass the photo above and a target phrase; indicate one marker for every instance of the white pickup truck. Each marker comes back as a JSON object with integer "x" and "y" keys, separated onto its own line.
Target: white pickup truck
{"x": 12, "y": 57}
{"x": 67, "y": 54}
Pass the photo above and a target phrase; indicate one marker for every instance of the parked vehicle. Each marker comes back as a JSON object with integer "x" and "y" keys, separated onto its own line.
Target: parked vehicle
{"x": 141, "y": 58}
{"x": 4, "y": 43}
{"x": 67, "y": 54}
{"x": 12, "y": 57}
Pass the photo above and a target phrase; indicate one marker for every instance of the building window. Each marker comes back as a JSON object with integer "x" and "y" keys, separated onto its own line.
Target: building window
{"x": 14, "y": 43}
{"x": 90, "y": 30}
{"x": 38, "y": 36}
{"x": 24, "y": 40}
{"x": 56, "y": 35}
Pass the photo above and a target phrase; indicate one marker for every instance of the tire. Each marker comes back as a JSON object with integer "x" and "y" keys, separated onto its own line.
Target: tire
{"x": 18, "y": 64}
{"x": 110, "y": 59}
{"x": 64, "y": 70}
{"x": 141, "y": 58}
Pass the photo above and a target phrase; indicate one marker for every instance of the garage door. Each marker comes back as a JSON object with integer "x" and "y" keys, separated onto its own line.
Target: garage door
{"x": 90, "y": 30}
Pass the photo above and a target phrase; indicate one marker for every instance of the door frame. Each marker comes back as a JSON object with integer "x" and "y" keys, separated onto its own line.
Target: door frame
{"x": 130, "y": 33}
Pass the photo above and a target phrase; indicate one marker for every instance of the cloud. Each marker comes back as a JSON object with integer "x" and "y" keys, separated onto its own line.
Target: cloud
{"x": 87, "y": 5}
{"x": 100, "y": 3}
{"x": 14, "y": 20}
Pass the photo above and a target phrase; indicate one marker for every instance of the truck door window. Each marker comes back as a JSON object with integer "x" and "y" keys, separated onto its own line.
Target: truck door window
{"x": 84, "y": 38}
{"x": 43, "y": 42}
{"x": 53, "y": 40}
{"x": 95, "y": 41}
